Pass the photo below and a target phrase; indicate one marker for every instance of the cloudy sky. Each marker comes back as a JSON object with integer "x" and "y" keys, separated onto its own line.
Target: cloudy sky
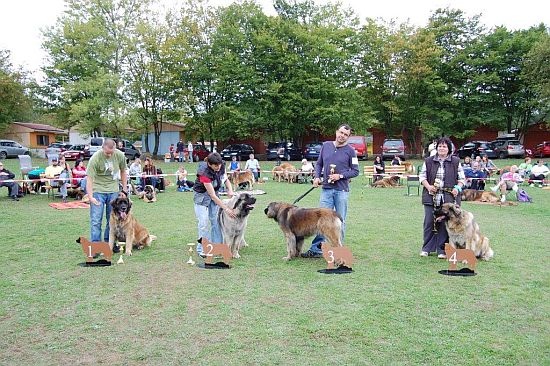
{"x": 21, "y": 21}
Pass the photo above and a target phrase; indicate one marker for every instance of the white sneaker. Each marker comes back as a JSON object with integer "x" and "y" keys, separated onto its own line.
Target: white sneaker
{"x": 540, "y": 185}
{"x": 494, "y": 189}
{"x": 503, "y": 198}
{"x": 424, "y": 254}
{"x": 441, "y": 256}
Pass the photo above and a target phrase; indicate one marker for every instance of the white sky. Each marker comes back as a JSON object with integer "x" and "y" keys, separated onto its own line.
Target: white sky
{"x": 22, "y": 20}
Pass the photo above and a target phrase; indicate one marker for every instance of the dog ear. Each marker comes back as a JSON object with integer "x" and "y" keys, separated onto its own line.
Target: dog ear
{"x": 456, "y": 210}
{"x": 129, "y": 204}
{"x": 114, "y": 202}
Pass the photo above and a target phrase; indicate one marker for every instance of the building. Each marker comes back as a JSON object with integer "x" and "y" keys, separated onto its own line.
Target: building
{"x": 35, "y": 136}
{"x": 171, "y": 133}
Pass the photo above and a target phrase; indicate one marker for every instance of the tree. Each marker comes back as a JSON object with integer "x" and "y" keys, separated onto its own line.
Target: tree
{"x": 14, "y": 103}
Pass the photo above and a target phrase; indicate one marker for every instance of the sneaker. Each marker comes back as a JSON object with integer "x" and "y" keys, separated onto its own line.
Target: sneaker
{"x": 15, "y": 198}
{"x": 424, "y": 254}
{"x": 311, "y": 254}
{"x": 494, "y": 189}
{"x": 540, "y": 185}
{"x": 503, "y": 198}
{"x": 532, "y": 185}
{"x": 441, "y": 256}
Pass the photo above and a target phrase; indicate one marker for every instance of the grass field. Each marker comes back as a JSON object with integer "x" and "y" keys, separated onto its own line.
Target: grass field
{"x": 156, "y": 310}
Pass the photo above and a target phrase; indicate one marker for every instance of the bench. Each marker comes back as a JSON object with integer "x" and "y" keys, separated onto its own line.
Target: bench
{"x": 389, "y": 171}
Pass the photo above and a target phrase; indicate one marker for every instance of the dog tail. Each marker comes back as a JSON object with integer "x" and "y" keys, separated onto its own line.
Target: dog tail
{"x": 489, "y": 252}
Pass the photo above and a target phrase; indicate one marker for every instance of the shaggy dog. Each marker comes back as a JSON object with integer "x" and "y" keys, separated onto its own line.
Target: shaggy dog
{"x": 124, "y": 227}
{"x": 233, "y": 228}
{"x": 464, "y": 231}
{"x": 243, "y": 177}
{"x": 340, "y": 256}
{"x": 479, "y": 196}
{"x": 409, "y": 167}
{"x": 148, "y": 194}
{"x": 298, "y": 223}
{"x": 387, "y": 182}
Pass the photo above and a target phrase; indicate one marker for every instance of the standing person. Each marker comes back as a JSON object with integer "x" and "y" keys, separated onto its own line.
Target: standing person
{"x": 450, "y": 179}
{"x": 190, "y": 151}
{"x": 280, "y": 154}
{"x": 210, "y": 176}
{"x": 179, "y": 149}
{"x": 254, "y": 166}
{"x": 379, "y": 168}
{"x": 105, "y": 169}
{"x": 172, "y": 150}
{"x": 432, "y": 148}
{"x": 337, "y": 163}
{"x": 13, "y": 187}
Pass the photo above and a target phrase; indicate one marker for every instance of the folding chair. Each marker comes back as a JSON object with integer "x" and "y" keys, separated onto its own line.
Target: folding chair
{"x": 413, "y": 181}
{"x": 25, "y": 164}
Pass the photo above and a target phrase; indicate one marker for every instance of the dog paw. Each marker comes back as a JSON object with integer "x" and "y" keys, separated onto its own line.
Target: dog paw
{"x": 236, "y": 255}
{"x": 287, "y": 258}
{"x": 128, "y": 253}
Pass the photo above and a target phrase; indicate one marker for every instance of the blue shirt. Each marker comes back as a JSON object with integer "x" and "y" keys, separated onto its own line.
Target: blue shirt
{"x": 345, "y": 163}
{"x": 470, "y": 173}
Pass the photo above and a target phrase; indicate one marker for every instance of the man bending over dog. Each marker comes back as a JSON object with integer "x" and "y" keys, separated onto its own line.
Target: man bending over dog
{"x": 337, "y": 163}
{"x": 106, "y": 167}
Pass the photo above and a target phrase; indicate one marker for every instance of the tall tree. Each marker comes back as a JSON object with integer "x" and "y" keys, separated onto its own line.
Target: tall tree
{"x": 14, "y": 102}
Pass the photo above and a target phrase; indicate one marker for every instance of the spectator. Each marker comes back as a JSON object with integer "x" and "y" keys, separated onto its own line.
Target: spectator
{"x": 254, "y": 166}
{"x": 13, "y": 187}
{"x": 307, "y": 167}
{"x": 280, "y": 154}
{"x": 467, "y": 164}
{"x": 396, "y": 160}
{"x": 79, "y": 171}
{"x": 180, "y": 149}
{"x": 539, "y": 173}
{"x": 58, "y": 175}
{"x": 524, "y": 168}
{"x": 487, "y": 165}
{"x": 184, "y": 185}
{"x": 442, "y": 178}
{"x": 210, "y": 175}
{"x": 508, "y": 181}
{"x": 106, "y": 167}
{"x": 234, "y": 166}
{"x": 432, "y": 148}
{"x": 379, "y": 168}
{"x": 190, "y": 151}
{"x": 172, "y": 151}
{"x": 475, "y": 177}
{"x": 150, "y": 173}
{"x": 135, "y": 172}
{"x": 120, "y": 145}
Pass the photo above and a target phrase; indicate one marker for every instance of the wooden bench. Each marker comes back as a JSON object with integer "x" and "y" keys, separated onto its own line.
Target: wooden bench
{"x": 389, "y": 171}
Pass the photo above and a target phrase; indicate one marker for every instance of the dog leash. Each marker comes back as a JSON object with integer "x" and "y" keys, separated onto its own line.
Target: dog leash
{"x": 305, "y": 194}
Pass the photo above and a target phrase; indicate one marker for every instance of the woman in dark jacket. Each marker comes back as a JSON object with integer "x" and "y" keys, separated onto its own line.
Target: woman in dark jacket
{"x": 442, "y": 178}
{"x": 379, "y": 168}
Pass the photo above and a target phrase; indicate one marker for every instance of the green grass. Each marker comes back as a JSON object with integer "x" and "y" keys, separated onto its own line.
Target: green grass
{"x": 156, "y": 310}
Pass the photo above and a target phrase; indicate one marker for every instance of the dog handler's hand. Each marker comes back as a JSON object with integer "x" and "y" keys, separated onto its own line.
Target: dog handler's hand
{"x": 316, "y": 182}
{"x": 454, "y": 192}
{"x": 230, "y": 212}
{"x": 94, "y": 201}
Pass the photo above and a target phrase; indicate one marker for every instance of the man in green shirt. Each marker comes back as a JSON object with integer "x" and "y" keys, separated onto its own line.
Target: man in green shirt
{"x": 106, "y": 168}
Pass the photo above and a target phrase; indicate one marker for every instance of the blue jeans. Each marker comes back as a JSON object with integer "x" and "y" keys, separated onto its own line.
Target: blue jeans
{"x": 338, "y": 201}
{"x": 96, "y": 214}
{"x": 205, "y": 214}
{"x": 82, "y": 184}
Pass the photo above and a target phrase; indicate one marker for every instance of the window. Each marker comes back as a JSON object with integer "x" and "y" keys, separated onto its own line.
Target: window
{"x": 42, "y": 140}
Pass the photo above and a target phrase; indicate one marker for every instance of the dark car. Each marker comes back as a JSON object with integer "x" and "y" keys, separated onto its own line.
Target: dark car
{"x": 292, "y": 152}
{"x": 77, "y": 152}
{"x": 476, "y": 148}
{"x": 200, "y": 152}
{"x": 392, "y": 147}
{"x": 542, "y": 150}
{"x": 506, "y": 148}
{"x": 312, "y": 150}
{"x": 241, "y": 151}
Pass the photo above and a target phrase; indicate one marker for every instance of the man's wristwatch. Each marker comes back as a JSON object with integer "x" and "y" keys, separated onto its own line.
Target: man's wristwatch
{"x": 341, "y": 176}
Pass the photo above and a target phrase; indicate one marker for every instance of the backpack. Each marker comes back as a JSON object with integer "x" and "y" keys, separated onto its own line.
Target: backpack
{"x": 523, "y": 196}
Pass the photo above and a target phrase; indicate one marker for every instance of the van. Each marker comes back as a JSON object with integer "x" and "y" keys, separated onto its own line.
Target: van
{"x": 392, "y": 147}
{"x": 359, "y": 144}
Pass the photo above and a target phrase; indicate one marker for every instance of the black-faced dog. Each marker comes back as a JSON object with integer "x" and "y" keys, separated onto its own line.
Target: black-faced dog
{"x": 233, "y": 228}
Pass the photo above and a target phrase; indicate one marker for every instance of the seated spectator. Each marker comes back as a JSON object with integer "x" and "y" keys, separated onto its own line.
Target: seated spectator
{"x": 79, "y": 171}
{"x": 525, "y": 168}
{"x": 13, "y": 187}
{"x": 58, "y": 171}
{"x": 234, "y": 166}
{"x": 475, "y": 177}
{"x": 467, "y": 164}
{"x": 508, "y": 181}
{"x": 306, "y": 167}
{"x": 396, "y": 160}
{"x": 184, "y": 185}
{"x": 539, "y": 173}
{"x": 254, "y": 166}
{"x": 379, "y": 168}
{"x": 150, "y": 174}
{"x": 135, "y": 172}
{"x": 488, "y": 166}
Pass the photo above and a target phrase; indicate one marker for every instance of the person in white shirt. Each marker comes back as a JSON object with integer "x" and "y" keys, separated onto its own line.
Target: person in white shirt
{"x": 190, "y": 151}
{"x": 254, "y": 166}
{"x": 538, "y": 173}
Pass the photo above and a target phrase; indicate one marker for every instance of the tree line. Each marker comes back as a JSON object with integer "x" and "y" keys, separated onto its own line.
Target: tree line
{"x": 235, "y": 72}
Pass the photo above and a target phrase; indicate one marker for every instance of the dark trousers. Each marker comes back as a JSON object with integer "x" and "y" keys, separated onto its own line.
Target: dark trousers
{"x": 478, "y": 184}
{"x": 434, "y": 241}
{"x": 13, "y": 188}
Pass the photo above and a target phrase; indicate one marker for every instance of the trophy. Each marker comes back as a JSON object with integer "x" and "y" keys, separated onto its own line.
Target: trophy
{"x": 121, "y": 245}
{"x": 437, "y": 184}
{"x": 332, "y": 167}
{"x": 191, "y": 262}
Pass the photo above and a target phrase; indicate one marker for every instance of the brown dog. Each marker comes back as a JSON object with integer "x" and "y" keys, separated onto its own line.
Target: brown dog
{"x": 212, "y": 249}
{"x": 298, "y": 223}
{"x": 455, "y": 255}
{"x": 409, "y": 167}
{"x": 148, "y": 194}
{"x": 291, "y": 174}
{"x": 479, "y": 196}
{"x": 387, "y": 182}
{"x": 241, "y": 177}
{"x": 337, "y": 255}
{"x": 124, "y": 227}
{"x": 92, "y": 248}
{"x": 277, "y": 173}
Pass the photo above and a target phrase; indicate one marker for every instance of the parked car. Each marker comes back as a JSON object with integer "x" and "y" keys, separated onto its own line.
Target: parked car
{"x": 292, "y": 152}
{"x": 77, "y": 152}
{"x": 200, "y": 152}
{"x": 57, "y": 148}
{"x": 359, "y": 143}
{"x": 392, "y": 147}
{"x": 312, "y": 150}
{"x": 506, "y": 148}
{"x": 475, "y": 148}
{"x": 241, "y": 151}
{"x": 542, "y": 150}
{"x": 10, "y": 148}
{"x": 130, "y": 150}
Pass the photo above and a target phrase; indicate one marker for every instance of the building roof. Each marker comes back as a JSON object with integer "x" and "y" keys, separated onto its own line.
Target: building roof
{"x": 41, "y": 127}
